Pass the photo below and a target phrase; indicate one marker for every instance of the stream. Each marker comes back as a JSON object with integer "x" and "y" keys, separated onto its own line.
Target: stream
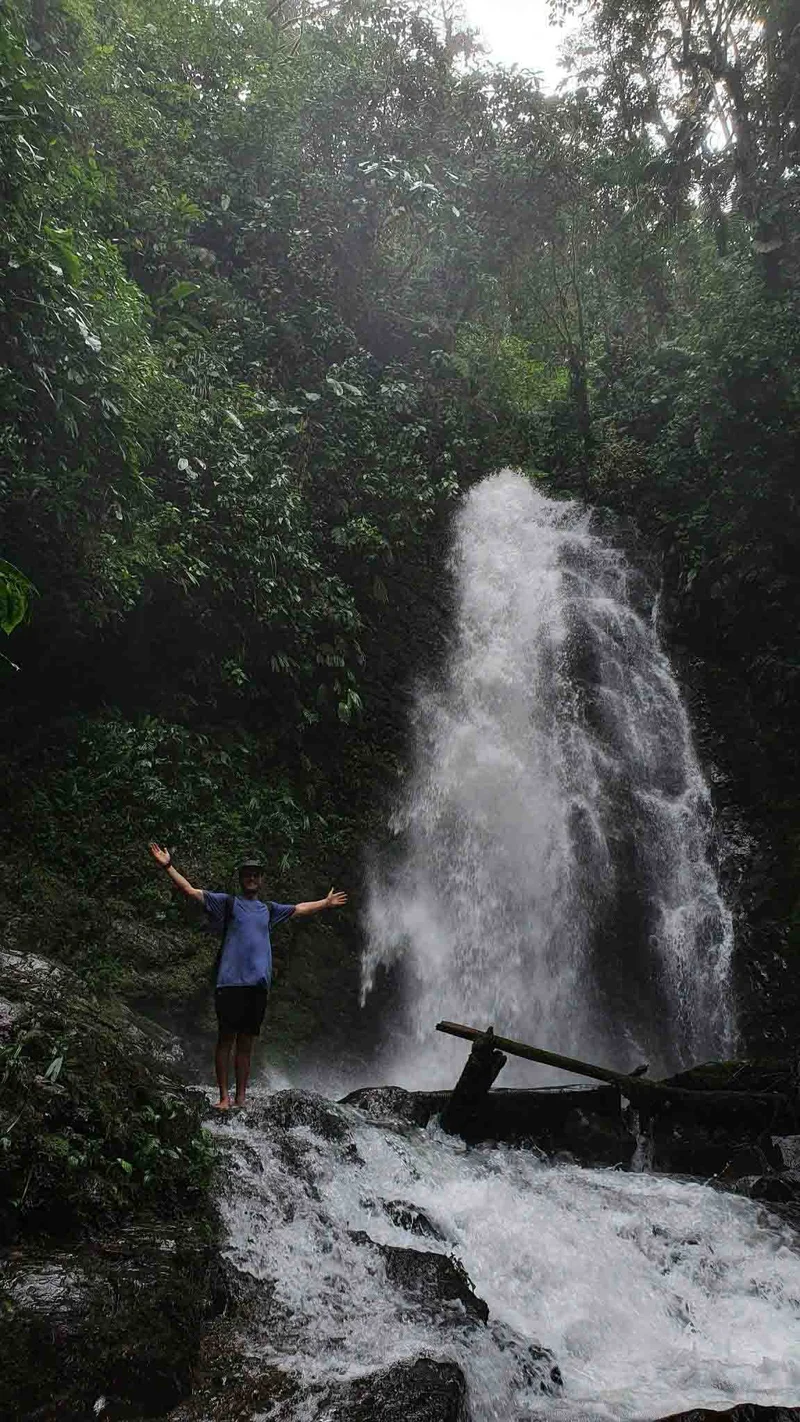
{"x": 653, "y": 1294}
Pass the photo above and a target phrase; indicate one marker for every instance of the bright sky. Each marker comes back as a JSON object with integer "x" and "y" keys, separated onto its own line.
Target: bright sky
{"x": 517, "y": 32}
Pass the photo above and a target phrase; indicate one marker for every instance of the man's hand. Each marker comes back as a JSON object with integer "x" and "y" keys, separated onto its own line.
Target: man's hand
{"x": 164, "y": 858}
{"x": 333, "y": 899}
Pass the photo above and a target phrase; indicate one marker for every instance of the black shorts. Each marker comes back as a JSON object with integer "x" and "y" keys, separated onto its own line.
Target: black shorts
{"x": 241, "y": 1009}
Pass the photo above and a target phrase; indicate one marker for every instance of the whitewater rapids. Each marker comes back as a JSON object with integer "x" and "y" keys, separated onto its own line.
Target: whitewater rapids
{"x": 654, "y": 1294}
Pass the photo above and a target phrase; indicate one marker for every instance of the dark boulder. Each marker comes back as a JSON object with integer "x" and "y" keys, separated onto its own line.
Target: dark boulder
{"x": 782, "y": 1189}
{"x": 118, "y": 1320}
{"x": 684, "y": 1144}
{"x": 725, "y": 1136}
{"x": 394, "y": 1103}
{"x": 230, "y": 1388}
{"x": 536, "y": 1368}
{"x": 406, "y": 1216}
{"x": 587, "y": 1121}
{"x": 788, "y": 1148}
{"x": 426, "y": 1390}
{"x": 721, "y": 1137}
{"x": 437, "y": 1283}
{"x": 743, "y": 1412}
{"x": 596, "y": 1138}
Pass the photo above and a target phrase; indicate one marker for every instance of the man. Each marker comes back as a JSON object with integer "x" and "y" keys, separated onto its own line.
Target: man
{"x": 244, "y": 968}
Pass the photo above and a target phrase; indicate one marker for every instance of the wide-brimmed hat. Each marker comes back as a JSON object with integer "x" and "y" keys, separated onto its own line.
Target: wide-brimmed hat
{"x": 253, "y": 862}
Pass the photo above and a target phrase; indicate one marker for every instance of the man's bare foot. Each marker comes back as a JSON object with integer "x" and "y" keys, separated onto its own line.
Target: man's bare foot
{"x": 239, "y": 1101}
{"x": 224, "y": 1104}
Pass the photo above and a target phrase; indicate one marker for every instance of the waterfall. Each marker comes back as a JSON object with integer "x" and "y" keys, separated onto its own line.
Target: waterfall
{"x": 551, "y": 871}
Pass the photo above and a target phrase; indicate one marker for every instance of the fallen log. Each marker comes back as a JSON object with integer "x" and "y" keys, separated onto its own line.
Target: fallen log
{"x": 641, "y": 1091}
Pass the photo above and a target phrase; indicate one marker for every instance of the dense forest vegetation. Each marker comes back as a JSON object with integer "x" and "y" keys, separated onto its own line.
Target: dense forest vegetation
{"x": 277, "y": 283}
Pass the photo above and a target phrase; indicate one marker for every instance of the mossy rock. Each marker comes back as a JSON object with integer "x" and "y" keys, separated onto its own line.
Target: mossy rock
{"x": 96, "y": 1128}
{"x": 109, "y": 1267}
{"x": 756, "y": 1074}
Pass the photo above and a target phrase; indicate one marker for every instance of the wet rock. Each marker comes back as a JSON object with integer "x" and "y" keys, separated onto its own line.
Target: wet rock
{"x": 742, "y": 1142}
{"x": 594, "y": 1126}
{"x": 424, "y": 1390}
{"x": 119, "y": 1319}
{"x": 427, "y": 1390}
{"x": 783, "y": 1189}
{"x": 31, "y": 982}
{"x": 788, "y": 1147}
{"x": 410, "y": 1217}
{"x": 230, "y": 1389}
{"x": 286, "y": 1109}
{"x": 236, "y": 1294}
{"x": 106, "y": 1279}
{"x": 684, "y": 1145}
{"x": 405, "y": 1215}
{"x": 537, "y": 1369}
{"x": 743, "y": 1412}
{"x": 437, "y": 1283}
{"x": 586, "y": 1121}
{"x": 10, "y": 1012}
{"x": 394, "y": 1103}
{"x": 290, "y": 1119}
{"x": 28, "y": 976}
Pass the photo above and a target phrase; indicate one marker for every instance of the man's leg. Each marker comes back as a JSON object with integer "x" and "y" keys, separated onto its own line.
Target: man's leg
{"x": 244, "y": 1048}
{"x": 222, "y": 1060}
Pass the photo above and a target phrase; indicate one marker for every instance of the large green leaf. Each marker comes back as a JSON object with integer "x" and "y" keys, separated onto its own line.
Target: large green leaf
{"x": 15, "y": 594}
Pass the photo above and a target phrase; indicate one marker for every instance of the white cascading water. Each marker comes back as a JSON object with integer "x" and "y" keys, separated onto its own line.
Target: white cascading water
{"x": 551, "y": 873}
{"x": 653, "y": 1295}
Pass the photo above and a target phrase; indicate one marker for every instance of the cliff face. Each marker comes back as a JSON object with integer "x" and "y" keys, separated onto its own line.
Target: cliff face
{"x": 748, "y": 746}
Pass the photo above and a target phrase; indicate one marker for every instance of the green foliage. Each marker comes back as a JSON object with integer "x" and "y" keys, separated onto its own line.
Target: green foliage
{"x": 697, "y": 438}
{"x": 227, "y": 310}
{"x": 502, "y": 372}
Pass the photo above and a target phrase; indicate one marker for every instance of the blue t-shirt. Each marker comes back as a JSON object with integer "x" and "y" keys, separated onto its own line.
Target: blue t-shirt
{"x": 247, "y": 952}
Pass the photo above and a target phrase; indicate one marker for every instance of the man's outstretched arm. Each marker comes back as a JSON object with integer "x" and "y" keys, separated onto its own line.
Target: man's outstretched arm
{"x": 164, "y": 858}
{"x": 333, "y": 899}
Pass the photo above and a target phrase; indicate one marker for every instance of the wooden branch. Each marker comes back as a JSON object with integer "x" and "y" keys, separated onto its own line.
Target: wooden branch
{"x": 638, "y": 1089}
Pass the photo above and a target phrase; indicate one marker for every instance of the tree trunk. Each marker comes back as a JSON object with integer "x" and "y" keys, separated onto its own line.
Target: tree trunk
{"x": 483, "y": 1065}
